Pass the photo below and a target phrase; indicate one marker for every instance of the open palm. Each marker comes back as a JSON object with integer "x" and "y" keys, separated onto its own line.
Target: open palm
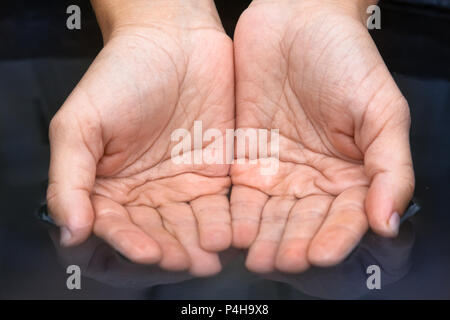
{"x": 111, "y": 169}
{"x": 311, "y": 70}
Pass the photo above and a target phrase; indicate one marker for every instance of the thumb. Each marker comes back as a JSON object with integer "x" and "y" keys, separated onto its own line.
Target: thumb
{"x": 388, "y": 164}
{"x": 72, "y": 175}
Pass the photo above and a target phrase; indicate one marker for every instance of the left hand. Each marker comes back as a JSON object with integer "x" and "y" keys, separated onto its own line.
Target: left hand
{"x": 311, "y": 69}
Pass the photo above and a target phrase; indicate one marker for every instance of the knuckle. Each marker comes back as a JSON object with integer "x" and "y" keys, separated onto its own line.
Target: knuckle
{"x": 56, "y": 124}
{"x": 51, "y": 193}
{"x": 405, "y": 111}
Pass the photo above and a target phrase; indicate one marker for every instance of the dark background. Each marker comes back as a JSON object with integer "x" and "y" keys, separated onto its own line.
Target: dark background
{"x": 41, "y": 61}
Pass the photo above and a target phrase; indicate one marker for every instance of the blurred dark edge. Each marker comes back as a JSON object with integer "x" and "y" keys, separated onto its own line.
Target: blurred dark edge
{"x": 34, "y": 84}
{"x": 414, "y": 38}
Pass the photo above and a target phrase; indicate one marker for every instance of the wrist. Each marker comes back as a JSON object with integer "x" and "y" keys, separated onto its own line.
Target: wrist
{"x": 361, "y": 7}
{"x": 356, "y": 9}
{"x": 114, "y": 15}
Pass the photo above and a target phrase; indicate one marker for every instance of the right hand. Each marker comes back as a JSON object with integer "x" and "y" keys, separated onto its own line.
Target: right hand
{"x": 110, "y": 168}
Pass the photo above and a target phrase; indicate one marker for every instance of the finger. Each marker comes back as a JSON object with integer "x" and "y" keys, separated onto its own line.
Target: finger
{"x": 71, "y": 177}
{"x": 343, "y": 228}
{"x": 180, "y": 220}
{"x": 305, "y": 219}
{"x": 174, "y": 256}
{"x": 388, "y": 164}
{"x": 262, "y": 253}
{"x": 246, "y": 205}
{"x": 113, "y": 224}
{"x": 214, "y": 222}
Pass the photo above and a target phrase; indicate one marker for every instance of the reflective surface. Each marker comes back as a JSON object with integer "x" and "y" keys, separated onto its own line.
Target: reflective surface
{"x": 415, "y": 265}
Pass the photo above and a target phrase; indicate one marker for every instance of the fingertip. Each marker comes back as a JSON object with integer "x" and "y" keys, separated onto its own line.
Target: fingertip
{"x": 175, "y": 267}
{"x": 244, "y": 234}
{"x": 332, "y": 249}
{"x": 65, "y": 237}
{"x": 392, "y": 182}
{"x": 149, "y": 254}
{"x": 255, "y": 267}
{"x": 379, "y": 205}
{"x": 73, "y": 212}
{"x": 175, "y": 259}
{"x": 321, "y": 256}
{"x": 387, "y": 228}
{"x": 209, "y": 267}
{"x": 131, "y": 242}
{"x": 261, "y": 257}
{"x": 292, "y": 259}
{"x": 394, "y": 223}
{"x": 72, "y": 236}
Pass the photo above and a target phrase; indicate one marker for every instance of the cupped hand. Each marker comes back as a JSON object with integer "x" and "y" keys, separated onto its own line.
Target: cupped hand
{"x": 111, "y": 170}
{"x": 310, "y": 69}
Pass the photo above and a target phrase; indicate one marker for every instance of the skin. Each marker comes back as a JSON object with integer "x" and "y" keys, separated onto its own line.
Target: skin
{"x": 308, "y": 68}
{"x": 164, "y": 65}
{"x": 311, "y": 69}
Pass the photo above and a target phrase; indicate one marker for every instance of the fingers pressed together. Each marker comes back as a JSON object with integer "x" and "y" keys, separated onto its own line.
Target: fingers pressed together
{"x": 289, "y": 234}
{"x": 177, "y": 236}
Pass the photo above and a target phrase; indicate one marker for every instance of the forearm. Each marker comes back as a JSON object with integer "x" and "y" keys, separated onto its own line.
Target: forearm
{"x": 114, "y": 14}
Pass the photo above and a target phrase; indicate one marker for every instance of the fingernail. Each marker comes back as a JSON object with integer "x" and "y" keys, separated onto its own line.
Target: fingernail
{"x": 394, "y": 223}
{"x": 66, "y": 235}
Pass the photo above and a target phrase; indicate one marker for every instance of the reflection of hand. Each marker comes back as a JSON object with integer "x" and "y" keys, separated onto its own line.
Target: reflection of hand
{"x": 111, "y": 141}
{"x": 100, "y": 262}
{"x": 348, "y": 280}
{"x": 310, "y": 68}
